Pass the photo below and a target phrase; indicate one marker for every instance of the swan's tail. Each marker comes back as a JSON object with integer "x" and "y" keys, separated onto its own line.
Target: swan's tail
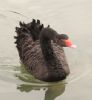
{"x": 26, "y": 35}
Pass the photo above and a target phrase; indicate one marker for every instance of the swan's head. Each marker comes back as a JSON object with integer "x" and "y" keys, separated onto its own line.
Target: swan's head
{"x": 63, "y": 40}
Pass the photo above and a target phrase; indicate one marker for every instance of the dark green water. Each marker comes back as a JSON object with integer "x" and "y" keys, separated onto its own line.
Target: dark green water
{"x": 66, "y": 16}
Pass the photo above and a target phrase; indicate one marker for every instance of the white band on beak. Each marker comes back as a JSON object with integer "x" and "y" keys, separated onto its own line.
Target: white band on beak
{"x": 73, "y": 46}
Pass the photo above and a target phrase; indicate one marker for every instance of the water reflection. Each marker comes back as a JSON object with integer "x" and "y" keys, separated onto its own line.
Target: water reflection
{"x": 52, "y": 90}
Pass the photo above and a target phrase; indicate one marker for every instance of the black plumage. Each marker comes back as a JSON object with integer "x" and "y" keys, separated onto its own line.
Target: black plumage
{"x": 40, "y": 52}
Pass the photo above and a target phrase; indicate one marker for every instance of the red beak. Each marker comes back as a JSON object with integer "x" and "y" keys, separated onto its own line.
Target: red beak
{"x": 69, "y": 44}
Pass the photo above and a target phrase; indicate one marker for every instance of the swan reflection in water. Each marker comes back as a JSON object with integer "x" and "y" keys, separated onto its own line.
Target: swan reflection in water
{"x": 52, "y": 90}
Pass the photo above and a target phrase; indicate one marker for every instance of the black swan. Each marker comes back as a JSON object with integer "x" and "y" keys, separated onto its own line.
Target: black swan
{"x": 41, "y": 51}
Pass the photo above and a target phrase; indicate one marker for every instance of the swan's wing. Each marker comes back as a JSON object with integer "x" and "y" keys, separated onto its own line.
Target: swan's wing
{"x": 23, "y": 39}
{"x": 27, "y": 34}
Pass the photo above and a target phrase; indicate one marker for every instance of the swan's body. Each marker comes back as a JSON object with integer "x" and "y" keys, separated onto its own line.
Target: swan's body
{"x": 44, "y": 58}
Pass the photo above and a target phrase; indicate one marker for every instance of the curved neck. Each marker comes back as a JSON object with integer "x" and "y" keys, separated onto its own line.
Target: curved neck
{"x": 47, "y": 49}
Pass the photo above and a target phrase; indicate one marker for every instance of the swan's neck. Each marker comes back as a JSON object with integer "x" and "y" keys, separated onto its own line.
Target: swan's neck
{"x": 47, "y": 49}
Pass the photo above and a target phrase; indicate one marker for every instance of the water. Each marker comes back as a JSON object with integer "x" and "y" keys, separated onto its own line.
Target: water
{"x": 66, "y": 16}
